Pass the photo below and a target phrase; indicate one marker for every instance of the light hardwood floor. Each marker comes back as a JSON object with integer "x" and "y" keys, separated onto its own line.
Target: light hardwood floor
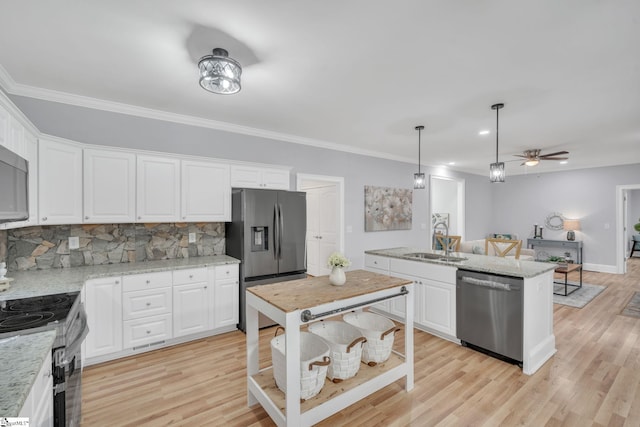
{"x": 593, "y": 380}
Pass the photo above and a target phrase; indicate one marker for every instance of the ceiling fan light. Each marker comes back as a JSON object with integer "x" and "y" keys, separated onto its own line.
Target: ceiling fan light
{"x": 532, "y": 162}
{"x": 219, "y": 73}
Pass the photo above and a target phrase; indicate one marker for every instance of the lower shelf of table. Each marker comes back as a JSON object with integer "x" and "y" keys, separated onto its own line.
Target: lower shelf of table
{"x": 330, "y": 390}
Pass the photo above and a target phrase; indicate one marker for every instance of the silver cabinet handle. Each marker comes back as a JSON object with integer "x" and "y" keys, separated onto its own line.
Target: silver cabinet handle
{"x": 44, "y": 218}
{"x": 139, "y": 217}
{"x": 148, "y": 304}
{"x": 148, "y": 332}
{"x": 86, "y": 217}
{"x": 117, "y": 282}
{"x": 191, "y": 276}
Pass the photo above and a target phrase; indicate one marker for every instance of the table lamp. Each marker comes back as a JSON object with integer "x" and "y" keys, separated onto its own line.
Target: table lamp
{"x": 570, "y": 225}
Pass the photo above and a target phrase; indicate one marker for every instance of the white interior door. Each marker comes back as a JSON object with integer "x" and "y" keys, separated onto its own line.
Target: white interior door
{"x": 325, "y": 218}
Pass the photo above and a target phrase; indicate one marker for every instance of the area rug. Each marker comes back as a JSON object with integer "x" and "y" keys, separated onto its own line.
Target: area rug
{"x": 632, "y": 309}
{"x": 579, "y": 298}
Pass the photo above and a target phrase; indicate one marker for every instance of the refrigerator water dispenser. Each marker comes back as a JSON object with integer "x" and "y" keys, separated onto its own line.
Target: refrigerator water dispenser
{"x": 259, "y": 239}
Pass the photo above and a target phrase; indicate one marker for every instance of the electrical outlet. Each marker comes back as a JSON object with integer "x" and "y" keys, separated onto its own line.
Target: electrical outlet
{"x": 74, "y": 242}
{"x": 192, "y": 237}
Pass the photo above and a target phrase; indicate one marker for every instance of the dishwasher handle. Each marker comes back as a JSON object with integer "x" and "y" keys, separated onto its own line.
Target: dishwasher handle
{"x": 486, "y": 283}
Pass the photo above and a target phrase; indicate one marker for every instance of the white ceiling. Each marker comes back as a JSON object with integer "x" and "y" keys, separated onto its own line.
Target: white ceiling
{"x": 359, "y": 75}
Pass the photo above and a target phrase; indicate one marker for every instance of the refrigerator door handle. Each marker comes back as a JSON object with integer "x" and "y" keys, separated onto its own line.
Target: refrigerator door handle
{"x": 276, "y": 232}
{"x": 281, "y": 230}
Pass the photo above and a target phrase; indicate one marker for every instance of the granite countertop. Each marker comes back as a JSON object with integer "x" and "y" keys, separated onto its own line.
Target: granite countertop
{"x": 59, "y": 280}
{"x": 473, "y": 262}
{"x": 21, "y": 358}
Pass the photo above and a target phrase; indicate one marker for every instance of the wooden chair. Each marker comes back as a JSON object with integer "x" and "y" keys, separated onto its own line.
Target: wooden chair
{"x": 502, "y": 247}
{"x": 453, "y": 244}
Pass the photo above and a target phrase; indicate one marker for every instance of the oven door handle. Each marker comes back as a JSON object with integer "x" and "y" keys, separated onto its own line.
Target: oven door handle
{"x": 72, "y": 349}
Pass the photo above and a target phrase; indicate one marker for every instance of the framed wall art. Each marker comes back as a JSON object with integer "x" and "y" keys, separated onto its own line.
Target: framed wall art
{"x": 387, "y": 208}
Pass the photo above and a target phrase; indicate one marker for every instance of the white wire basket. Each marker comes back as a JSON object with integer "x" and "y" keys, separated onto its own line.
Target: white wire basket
{"x": 314, "y": 362}
{"x": 379, "y": 332}
{"x": 346, "y": 344}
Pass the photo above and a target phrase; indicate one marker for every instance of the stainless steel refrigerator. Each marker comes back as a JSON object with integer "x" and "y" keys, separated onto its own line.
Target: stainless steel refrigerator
{"x": 267, "y": 233}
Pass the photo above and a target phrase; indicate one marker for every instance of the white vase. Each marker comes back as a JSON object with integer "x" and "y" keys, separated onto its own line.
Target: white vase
{"x": 337, "y": 276}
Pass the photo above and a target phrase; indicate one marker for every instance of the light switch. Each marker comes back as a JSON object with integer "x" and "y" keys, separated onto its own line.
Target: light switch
{"x": 192, "y": 237}
{"x": 74, "y": 242}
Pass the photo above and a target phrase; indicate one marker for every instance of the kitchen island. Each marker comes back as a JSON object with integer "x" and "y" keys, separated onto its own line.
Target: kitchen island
{"x": 435, "y": 280}
{"x": 299, "y": 302}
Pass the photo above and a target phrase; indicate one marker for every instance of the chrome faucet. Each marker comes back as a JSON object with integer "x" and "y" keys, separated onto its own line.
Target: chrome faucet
{"x": 446, "y": 236}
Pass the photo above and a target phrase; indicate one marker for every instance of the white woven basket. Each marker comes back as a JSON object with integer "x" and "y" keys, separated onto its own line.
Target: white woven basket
{"x": 379, "y": 332}
{"x": 345, "y": 342}
{"x": 314, "y": 362}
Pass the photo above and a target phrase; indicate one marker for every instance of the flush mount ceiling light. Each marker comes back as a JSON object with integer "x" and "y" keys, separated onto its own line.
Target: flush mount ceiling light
{"x": 219, "y": 73}
{"x": 418, "y": 178}
{"x": 496, "y": 170}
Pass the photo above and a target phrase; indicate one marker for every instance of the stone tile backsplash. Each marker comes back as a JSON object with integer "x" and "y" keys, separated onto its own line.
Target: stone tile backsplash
{"x": 44, "y": 247}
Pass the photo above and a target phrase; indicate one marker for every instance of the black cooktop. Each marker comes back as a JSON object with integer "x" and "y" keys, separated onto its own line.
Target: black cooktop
{"x": 34, "y": 312}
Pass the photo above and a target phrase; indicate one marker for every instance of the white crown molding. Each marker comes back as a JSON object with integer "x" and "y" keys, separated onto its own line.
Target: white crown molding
{"x": 10, "y": 86}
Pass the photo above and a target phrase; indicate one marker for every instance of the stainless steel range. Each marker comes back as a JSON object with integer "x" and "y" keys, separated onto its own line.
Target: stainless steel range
{"x": 64, "y": 313}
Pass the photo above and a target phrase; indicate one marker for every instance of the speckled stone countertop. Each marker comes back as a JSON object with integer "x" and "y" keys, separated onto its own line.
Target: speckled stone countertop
{"x": 59, "y": 280}
{"x": 21, "y": 358}
{"x": 481, "y": 263}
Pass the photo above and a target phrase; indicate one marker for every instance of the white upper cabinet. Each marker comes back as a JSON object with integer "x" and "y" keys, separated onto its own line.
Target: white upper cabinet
{"x": 158, "y": 189}
{"x": 206, "y": 191}
{"x": 30, "y": 153}
{"x": 60, "y": 183}
{"x": 258, "y": 177}
{"x": 109, "y": 186}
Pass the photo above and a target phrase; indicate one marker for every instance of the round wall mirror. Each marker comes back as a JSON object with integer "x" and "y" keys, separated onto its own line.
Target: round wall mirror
{"x": 554, "y": 221}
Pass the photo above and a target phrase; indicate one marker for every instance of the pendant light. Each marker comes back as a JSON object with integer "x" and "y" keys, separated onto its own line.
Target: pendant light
{"x": 219, "y": 73}
{"x": 496, "y": 170}
{"x": 418, "y": 178}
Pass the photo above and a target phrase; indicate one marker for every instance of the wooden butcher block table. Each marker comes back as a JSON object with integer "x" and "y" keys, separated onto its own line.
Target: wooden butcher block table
{"x": 300, "y": 302}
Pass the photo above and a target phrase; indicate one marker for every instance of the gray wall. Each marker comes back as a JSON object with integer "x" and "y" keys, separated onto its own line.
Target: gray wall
{"x": 587, "y": 194}
{"x": 119, "y": 130}
{"x": 513, "y": 206}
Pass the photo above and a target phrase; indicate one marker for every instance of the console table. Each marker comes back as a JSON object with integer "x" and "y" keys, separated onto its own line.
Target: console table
{"x": 575, "y": 245}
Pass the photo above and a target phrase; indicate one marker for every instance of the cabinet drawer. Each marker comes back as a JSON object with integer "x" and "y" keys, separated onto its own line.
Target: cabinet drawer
{"x": 146, "y": 331}
{"x": 375, "y": 261}
{"x": 441, "y": 273}
{"x": 138, "y": 282}
{"x": 145, "y": 303}
{"x": 191, "y": 275}
{"x": 228, "y": 271}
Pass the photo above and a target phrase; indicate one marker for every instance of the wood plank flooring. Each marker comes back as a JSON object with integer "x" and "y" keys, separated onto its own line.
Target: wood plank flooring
{"x": 593, "y": 380}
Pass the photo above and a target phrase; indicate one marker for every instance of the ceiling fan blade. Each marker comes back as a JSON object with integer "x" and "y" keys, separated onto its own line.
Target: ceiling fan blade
{"x": 554, "y": 158}
{"x": 520, "y": 155}
{"x": 553, "y": 154}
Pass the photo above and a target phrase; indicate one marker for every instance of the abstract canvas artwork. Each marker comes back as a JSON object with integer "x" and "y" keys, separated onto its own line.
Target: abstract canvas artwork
{"x": 387, "y": 208}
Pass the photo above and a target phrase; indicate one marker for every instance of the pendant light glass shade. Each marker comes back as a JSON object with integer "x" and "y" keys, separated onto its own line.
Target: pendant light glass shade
{"x": 496, "y": 170}
{"x": 219, "y": 73}
{"x": 419, "y": 181}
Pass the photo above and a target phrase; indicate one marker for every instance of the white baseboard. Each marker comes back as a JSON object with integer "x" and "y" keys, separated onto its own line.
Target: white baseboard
{"x": 600, "y": 268}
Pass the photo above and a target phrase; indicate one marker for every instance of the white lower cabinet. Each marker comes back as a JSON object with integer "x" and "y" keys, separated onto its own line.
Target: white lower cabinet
{"x": 38, "y": 406}
{"x": 104, "y": 316}
{"x": 140, "y": 312}
{"x": 225, "y": 296}
{"x": 435, "y": 288}
{"x": 192, "y": 295}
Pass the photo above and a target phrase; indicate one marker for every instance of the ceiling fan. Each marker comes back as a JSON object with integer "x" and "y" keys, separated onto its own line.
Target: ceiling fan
{"x": 533, "y": 157}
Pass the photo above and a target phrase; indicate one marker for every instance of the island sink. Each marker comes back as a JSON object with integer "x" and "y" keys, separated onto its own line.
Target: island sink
{"x": 427, "y": 255}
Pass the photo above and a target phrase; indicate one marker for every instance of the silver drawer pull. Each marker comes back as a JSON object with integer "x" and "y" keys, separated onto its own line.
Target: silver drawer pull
{"x": 148, "y": 304}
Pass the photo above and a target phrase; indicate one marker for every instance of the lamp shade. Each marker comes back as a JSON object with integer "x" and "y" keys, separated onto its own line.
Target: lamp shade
{"x": 571, "y": 225}
{"x": 219, "y": 73}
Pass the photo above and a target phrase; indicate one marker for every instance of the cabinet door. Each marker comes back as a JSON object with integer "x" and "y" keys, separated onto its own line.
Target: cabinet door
{"x": 43, "y": 396}
{"x": 191, "y": 308}
{"x": 206, "y": 191}
{"x": 439, "y": 306}
{"x": 277, "y": 179}
{"x": 109, "y": 186}
{"x": 226, "y": 295}
{"x": 104, "y": 316}
{"x": 147, "y": 330}
{"x": 246, "y": 177}
{"x": 60, "y": 183}
{"x": 158, "y": 189}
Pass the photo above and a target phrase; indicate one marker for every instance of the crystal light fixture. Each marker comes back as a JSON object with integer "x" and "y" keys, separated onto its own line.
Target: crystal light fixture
{"x": 219, "y": 73}
{"x": 418, "y": 178}
{"x": 496, "y": 170}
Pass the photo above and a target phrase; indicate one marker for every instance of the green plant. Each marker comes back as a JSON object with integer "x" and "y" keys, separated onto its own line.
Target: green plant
{"x": 637, "y": 226}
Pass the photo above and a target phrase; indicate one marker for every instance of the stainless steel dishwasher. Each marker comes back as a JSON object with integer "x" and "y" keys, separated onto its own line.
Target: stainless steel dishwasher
{"x": 489, "y": 313}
